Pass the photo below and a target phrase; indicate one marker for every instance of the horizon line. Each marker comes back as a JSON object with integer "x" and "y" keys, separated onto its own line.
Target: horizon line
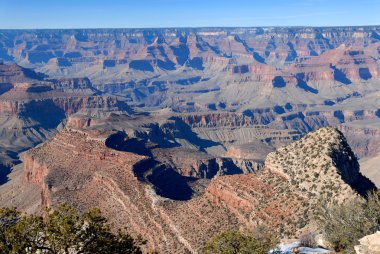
{"x": 191, "y": 27}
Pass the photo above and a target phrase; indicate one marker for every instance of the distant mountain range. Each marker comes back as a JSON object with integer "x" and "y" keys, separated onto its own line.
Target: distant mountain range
{"x": 293, "y": 77}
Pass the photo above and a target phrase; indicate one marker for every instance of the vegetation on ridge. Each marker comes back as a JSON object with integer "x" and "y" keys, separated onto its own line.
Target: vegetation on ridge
{"x": 343, "y": 225}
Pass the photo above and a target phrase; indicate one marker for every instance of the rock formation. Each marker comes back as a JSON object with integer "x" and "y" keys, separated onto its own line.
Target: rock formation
{"x": 152, "y": 199}
{"x": 369, "y": 244}
{"x": 33, "y": 107}
{"x": 288, "y": 78}
{"x": 322, "y": 156}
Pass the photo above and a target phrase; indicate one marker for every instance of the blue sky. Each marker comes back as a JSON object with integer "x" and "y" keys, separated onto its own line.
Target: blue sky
{"x": 186, "y": 13}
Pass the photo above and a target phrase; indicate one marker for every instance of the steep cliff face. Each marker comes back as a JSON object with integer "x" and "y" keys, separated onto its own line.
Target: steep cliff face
{"x": 36, "y": 172}
{"x": 199, "y": 165}
{"x": 344, "y": 64}
{"x": 13, "y": 73}
{"x": 239, "y": 129}
{"x": 175, "y": 144}
{"x": 33, "y": 107}
{"x": 363, "y": 139}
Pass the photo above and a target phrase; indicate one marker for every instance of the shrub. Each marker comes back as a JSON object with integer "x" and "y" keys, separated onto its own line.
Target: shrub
{"x": 231, "y": 242}
{"x": 308, "y": 239}
{"x": 63, "y": 230}
{"x": 343, "y": 225}
{"x": 266, "y": 236}
{"x": 234, "y": 242}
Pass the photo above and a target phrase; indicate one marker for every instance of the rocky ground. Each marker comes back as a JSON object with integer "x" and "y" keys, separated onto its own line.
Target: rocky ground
{"x": 177, "y": 213}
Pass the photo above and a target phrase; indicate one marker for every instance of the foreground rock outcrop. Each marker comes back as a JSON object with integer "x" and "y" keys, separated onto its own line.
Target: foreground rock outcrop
{"x": 369, "y": 244}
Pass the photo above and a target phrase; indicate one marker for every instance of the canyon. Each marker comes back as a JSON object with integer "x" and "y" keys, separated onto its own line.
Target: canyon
{"x": 177, "y": 213}
{"x": 183, "y": 133}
